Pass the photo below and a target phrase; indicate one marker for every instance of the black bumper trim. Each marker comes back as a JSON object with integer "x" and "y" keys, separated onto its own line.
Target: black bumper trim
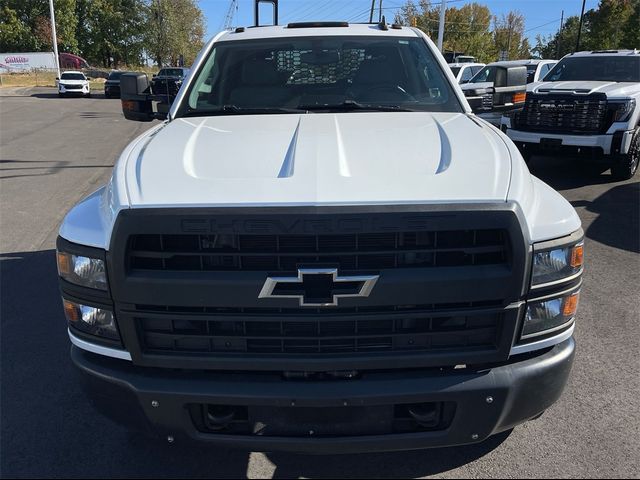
{"x": 520, "y": 390}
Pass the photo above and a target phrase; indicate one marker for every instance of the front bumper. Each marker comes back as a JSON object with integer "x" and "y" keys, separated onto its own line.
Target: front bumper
{"x": 519, "y": 390}
{"x": 78, "y": 91}
{"x": 538, "y": 142}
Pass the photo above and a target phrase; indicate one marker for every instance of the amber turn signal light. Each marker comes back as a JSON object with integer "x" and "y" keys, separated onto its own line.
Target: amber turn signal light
{"x": 65, "y": 264}
{"x": 71, "y": 311}
{"x": 577, "y": 256}
{"x": 519, "y": 97}
{"x": 570, "y": 305}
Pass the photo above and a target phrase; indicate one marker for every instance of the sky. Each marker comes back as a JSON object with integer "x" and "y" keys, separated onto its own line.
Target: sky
{"x": 541, "y": 16}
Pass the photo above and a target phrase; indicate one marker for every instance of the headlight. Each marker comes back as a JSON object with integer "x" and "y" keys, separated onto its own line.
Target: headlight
{"x": 91, "y": 320}
{"x": 623, "y": 110}
{"x": 83, "y": 271}
{"x": 556, "y": 264}
{"x": 547, "y": 315}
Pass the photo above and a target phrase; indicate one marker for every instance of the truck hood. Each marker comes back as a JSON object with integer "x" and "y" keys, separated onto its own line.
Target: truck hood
{"x": 611, "y": 89}
{"x": 318, "y": 159}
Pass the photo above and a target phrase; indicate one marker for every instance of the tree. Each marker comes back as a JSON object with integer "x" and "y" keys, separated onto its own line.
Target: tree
{"x": 15, "y": 35}
{"x": 174, "y": 29}
{"x": 35, "y": 17}
{"x": 111, "y": 32}
{"x": 467, "y": 29}
{"x": 508, "y": 35}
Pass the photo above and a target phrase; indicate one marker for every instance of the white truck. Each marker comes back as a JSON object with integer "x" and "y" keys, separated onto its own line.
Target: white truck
{"x": 587, "y": 105}
{"x": 321, "y": 249}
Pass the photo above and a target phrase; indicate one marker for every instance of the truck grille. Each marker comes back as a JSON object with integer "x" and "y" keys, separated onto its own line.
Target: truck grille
{"x": 371, "y": 251}
{"x": 564, "y": 113}
{"x": 73, "y": 87}
{"x": 427, "y": 328}
{"x": 186, "y": 286}
{"x": 487, "y": 101}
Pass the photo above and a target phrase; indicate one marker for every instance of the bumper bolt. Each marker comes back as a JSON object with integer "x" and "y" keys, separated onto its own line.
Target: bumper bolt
{"x": 474, "y": 436}
{"x": 155, "y": 404}
{"x": 489, "y": 399}
{"x": 170, "y": 439}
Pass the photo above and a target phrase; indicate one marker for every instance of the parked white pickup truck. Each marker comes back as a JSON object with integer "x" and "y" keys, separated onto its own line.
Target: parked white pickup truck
{"x": 321, "y": 249}
{"x": 588, "y": 104}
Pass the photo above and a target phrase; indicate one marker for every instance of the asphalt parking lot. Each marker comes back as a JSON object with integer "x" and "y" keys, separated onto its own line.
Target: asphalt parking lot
{"x": 55, "y": 151}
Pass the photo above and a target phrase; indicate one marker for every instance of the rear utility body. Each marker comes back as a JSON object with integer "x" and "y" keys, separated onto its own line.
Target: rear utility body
{"x": 334, "y": 255}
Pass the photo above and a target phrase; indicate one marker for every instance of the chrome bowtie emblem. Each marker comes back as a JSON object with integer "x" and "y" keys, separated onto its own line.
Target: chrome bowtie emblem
{"x": 318, "y": 287}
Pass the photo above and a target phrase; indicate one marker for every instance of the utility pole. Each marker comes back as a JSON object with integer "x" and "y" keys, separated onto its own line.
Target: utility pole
{"x": 580, "y": 27}
{"x": 380, "y": 11}
{"x": 443, "y": 9}
{"x": 55, "y": 37}
{"x": 560, "y": 35}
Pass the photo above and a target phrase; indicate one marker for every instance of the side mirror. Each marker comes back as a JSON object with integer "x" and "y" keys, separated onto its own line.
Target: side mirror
{"x": 510, "y": 88}
{"x": 135, "y": 98}
{"x": 510, "y": 77}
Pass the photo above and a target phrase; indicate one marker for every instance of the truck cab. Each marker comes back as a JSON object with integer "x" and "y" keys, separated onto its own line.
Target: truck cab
{"x": 320, "y": 249}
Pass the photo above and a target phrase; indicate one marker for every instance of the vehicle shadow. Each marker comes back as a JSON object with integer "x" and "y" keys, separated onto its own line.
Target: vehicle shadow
{"x": 568, "y": 173}
{"x": 50, "y": 429}
{"x": 618, "y": 221}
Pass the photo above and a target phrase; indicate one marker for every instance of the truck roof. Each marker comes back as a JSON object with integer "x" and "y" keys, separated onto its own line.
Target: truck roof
{"x": 590, "y": 53}
{"x": 298, "y": 30}
{"x": 516, "y": 63}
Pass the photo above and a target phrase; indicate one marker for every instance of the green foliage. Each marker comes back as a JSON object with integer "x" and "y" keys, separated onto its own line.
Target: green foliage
{"x": 615, "y": 24}
{"x": 174, "y": 28}
{"x": 469, "y": 29}
{"x": 29, "y": 29}
{"x": 15, "y": 36}
{"x": 110, "y": 33}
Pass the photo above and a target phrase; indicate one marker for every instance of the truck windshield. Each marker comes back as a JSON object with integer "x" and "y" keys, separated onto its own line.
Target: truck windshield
{"x": 487, "y": 74}
{"x": 606, "y": 68}
{"x": 72, "y": 76}
{"x": 171, "y": 72}
{"x": 287, "y": 75}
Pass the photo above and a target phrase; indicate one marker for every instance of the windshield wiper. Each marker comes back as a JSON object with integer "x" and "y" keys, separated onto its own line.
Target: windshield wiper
{"x": 235, "y": 110}
{"x": 352, "y": 105}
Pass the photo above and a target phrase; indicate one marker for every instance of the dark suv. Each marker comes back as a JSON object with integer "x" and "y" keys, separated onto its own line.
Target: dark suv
{"x": 112, "y": 85}
{"x": 168, "y": 80}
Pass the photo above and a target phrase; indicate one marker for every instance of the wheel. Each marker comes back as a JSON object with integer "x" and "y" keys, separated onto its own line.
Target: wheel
{"x": 60, "y": 95}
{"x": 626, "y": 165}
{"x": 106, "y": 95}
{"x": 88, "y": 95}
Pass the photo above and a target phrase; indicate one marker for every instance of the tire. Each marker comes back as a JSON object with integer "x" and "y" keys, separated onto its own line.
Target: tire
{"x": 106, "y": 95}
{"x": 626, "y": 165}
{"x": 60, "y": 94}
{"x": 88, "y": 95}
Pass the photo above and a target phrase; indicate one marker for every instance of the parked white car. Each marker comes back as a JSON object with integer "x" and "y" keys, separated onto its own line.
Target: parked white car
{"x": 465, "y": 71}
{"x": 73, "y": 83}
{"x": 589, "y": 104}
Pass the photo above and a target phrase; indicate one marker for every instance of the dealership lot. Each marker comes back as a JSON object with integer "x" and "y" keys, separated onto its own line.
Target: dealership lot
{"x": 55, "y": 151}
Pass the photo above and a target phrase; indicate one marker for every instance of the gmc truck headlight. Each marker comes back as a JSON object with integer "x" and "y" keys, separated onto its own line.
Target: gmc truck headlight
{"x": 83, "y": 271}
{"x": 556, "y": 264}
{"x": 92, "y": 320}
{"x": 623, "y": 110}
{"x": 544, "y": 316}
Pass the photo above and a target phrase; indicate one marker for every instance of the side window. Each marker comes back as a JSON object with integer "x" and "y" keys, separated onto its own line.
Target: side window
{"x": 467, "y": 74}
{"x": 544, "y": 69}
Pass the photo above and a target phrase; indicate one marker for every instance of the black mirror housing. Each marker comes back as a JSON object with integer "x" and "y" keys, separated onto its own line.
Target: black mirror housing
{"x": 135, "y": 97}
{"x": 510, "y": 76}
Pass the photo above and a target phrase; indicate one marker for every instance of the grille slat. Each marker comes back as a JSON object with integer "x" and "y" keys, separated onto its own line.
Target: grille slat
{"x": 319, "y": 335}
{"x": 286, "y": 252}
